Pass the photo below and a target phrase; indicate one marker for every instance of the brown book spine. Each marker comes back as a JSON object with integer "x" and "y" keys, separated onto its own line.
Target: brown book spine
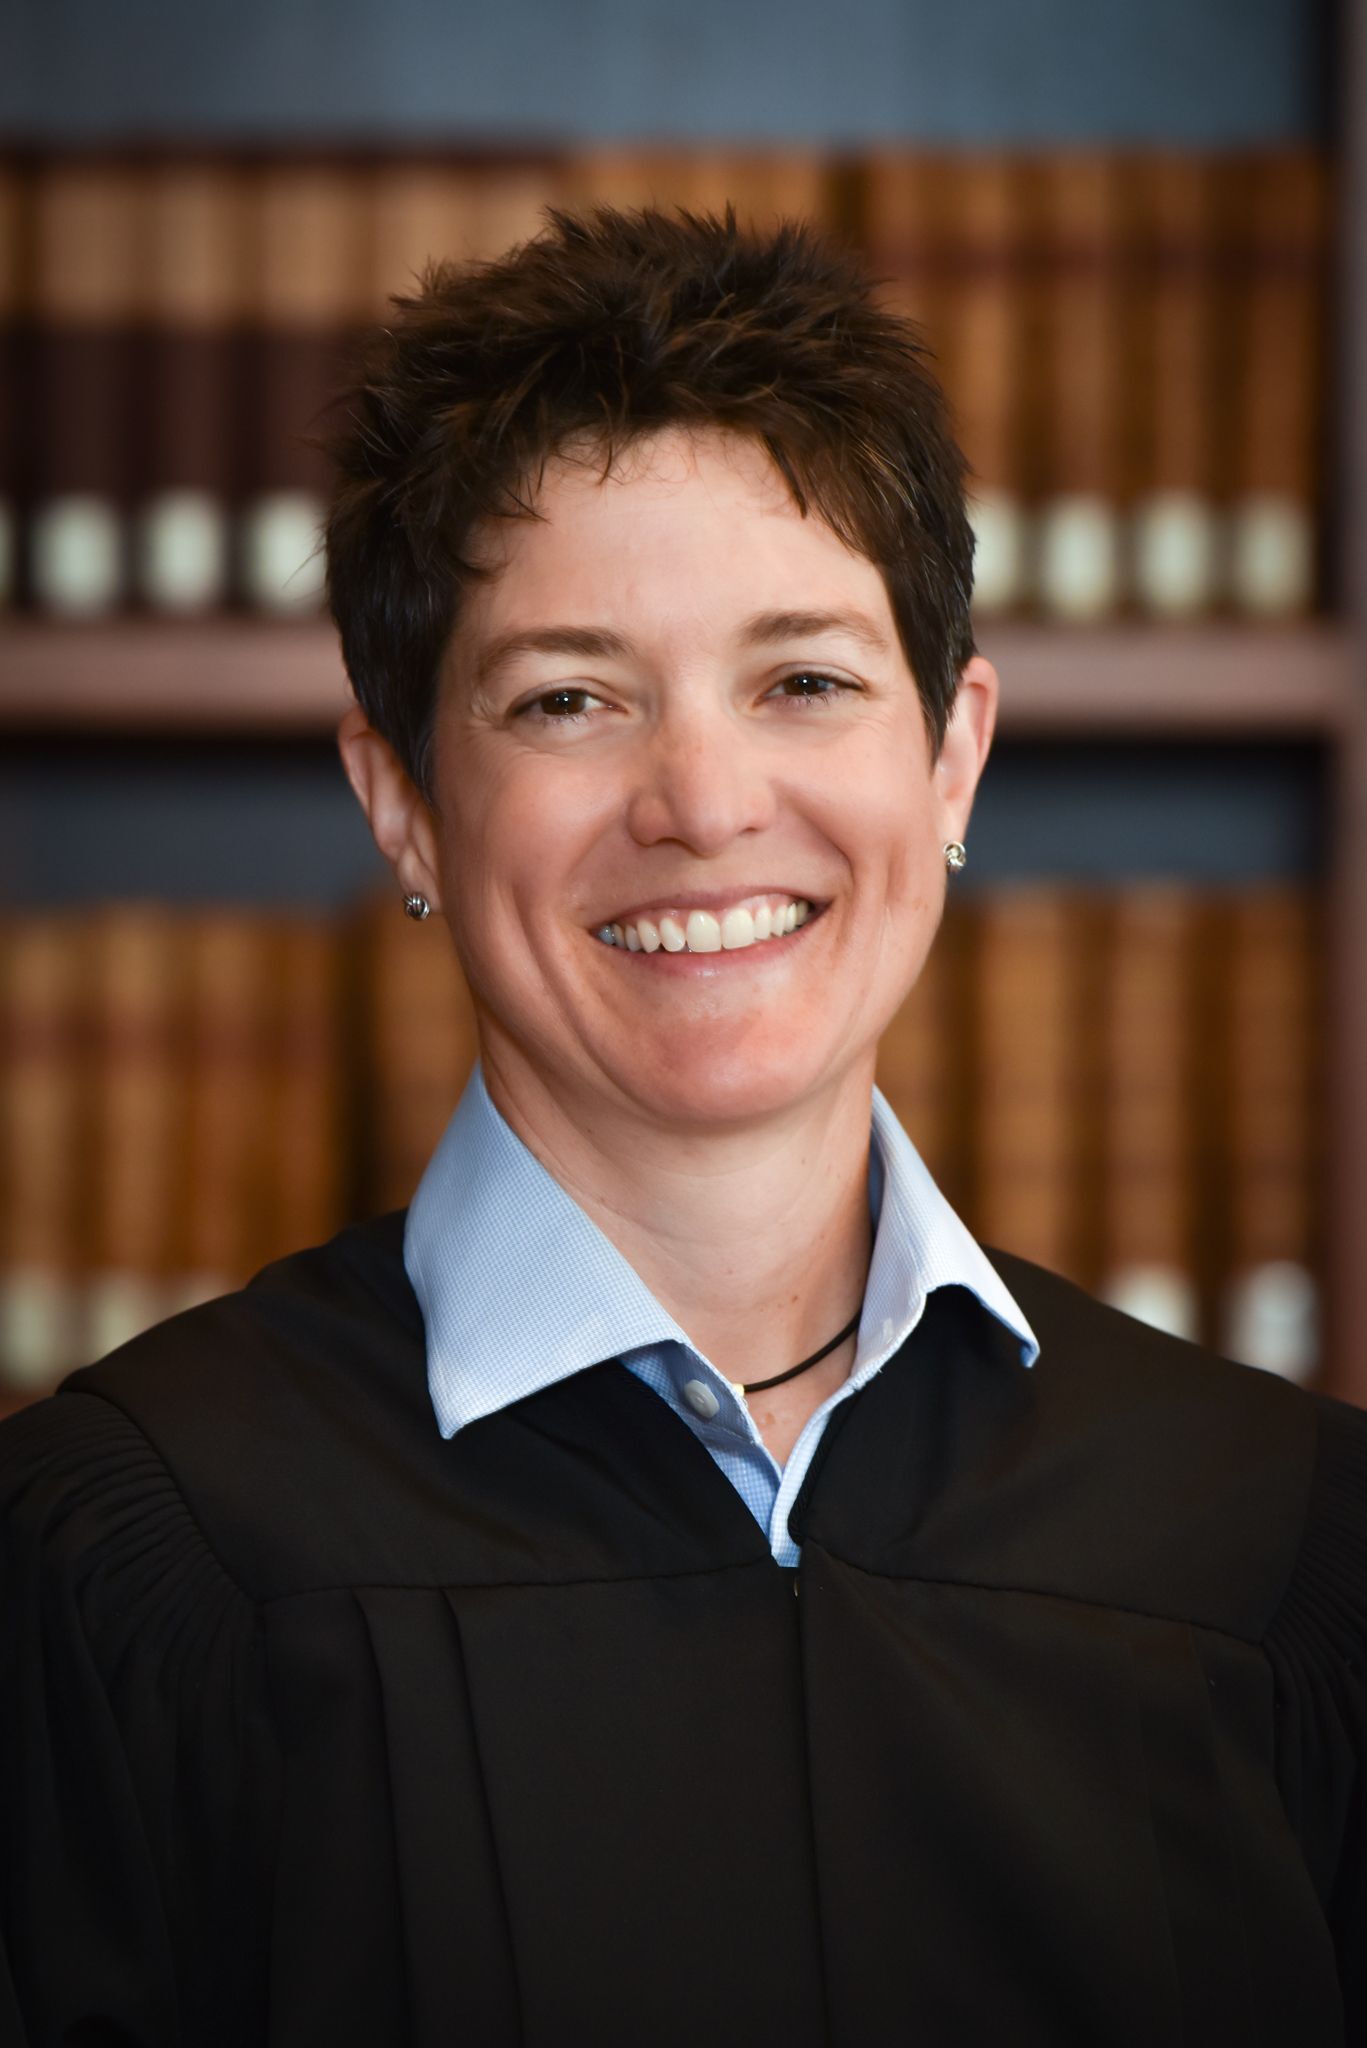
{"x": 983, "y": 321}
{"x": 1079, "y": 241}
{"x": 1148, "y": 1049}
{"x": 1273, "y": 1033}
{"x": 903, "y": 209}
{"x": 922, "y": 1064}
{"x": 309, "y": 270}
{"x": 1032, "y": 1078}
{"x": 230, "y": 994}
{"x": 15, "y": 285}
{"x": 192, "y": 308}
{"x": 304, "y": 1109}
{"x": 1279, "y": 202}
{"x": 137, "y": 1111}
{"x": 42, "y": 1163}
{"x": 1176, "y": 555}
{"x": 420, "y": 1041}
{"x": 763, "y": 185}
{"x": 427, "y": 210}
{"x": 88, "y": 221}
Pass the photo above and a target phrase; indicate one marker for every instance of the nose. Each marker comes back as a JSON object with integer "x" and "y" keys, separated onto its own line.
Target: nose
{"x": 702, "y": 781}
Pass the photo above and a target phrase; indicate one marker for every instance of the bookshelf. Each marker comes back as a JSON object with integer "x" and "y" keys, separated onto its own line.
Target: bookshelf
{"x": 248, "y": 681}
{"x": 237, "y": 676}
{"x": 1346, "y": 1267}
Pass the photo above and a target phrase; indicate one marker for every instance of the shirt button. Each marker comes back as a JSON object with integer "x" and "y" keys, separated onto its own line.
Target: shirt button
{"x": 701, "y": 1399}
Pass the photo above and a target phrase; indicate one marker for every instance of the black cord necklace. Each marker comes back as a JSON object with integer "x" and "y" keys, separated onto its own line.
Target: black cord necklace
{"x": 762, "y": 1386}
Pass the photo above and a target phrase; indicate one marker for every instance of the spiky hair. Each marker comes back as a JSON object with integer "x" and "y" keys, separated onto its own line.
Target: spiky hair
{"x": 609, "y": 325}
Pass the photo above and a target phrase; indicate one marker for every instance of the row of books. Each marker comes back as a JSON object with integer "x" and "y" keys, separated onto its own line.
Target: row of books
{"x": 1134, "y": 345}
{"x": 1124, "y": 1086}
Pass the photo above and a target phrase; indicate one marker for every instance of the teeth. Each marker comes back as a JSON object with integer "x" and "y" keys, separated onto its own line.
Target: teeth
{"x": 704, "y": 932}
{"x": 701, "y": 932}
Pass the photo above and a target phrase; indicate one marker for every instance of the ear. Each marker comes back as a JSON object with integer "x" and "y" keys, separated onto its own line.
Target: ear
{"x": 400, "y": 821}
{"x": 968, "y": 740}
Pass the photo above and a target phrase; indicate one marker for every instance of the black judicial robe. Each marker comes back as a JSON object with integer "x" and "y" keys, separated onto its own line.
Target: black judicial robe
{"x": 320, "y": 1729}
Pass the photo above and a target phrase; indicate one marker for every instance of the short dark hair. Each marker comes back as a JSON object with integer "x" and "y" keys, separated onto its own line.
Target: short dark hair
{"x": 609, "y": 325}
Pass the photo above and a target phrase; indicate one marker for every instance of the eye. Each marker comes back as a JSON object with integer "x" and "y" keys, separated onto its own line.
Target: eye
{"x": 811, "y": 686}
{"x": 558, "y": 707}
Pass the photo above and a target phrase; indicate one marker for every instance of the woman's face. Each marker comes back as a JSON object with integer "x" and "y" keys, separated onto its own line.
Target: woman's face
{"x": 675, "y": 702}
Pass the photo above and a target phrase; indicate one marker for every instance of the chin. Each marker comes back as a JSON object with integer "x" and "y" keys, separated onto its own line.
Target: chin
{"x": 711, "y": 1088}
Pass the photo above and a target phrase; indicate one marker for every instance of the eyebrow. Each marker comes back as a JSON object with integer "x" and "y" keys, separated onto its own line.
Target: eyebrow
{"x": 767, "y": 627}
{"x": 594, "y": 643}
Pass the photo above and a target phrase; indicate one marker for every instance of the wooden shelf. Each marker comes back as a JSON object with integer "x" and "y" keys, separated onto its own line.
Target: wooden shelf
{"x": 238, "y": 676}
{"x": 244, "y": 677}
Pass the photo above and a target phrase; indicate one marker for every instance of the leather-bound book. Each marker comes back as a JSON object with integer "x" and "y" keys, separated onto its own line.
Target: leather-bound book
{"x": 87, "y": 234}
{"x": 1179, "y": 391}
{"x": 1150, "y": 1058}
{"x": 417, "y": 1044}
{"x": 135, "y": 1122}
{"x": 229, "y": 1131}
{"x": 923, "y": 1067}
{"x": 43, "y": 1162}
{"x": 1278, "y": 213}
{"x": 15, "y": 285}
{"x": 309, "y": 269}
{"x": 192, "y": 309}
{"x": 306, "y": 1103}
{"x": 1032, "y": 1048}
{"x": 764, "y": 185}
{"x": 904, "y": 206}
{"x": 1272, "y": 1091}
{"x": 427, "y": 209}
{"x": 1081, "y": 394}
{"x": 984, "y": 342}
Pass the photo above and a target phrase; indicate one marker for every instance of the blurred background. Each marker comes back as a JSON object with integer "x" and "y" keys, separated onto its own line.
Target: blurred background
{"x": 1133, "y": 239}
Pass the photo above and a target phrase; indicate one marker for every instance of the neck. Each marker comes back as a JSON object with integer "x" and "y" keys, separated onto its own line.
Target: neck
{"x": 756, "y": 1240}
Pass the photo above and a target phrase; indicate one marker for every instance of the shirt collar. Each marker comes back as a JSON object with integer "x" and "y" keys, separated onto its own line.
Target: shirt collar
{"x": 519, "y": 1288}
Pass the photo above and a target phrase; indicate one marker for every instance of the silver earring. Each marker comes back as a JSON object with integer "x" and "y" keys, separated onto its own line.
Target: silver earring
{"x": 956, "y": 856}
{"x": 416, "y": 907}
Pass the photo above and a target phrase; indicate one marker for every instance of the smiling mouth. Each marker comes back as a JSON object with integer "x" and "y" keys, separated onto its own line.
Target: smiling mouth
{"x": 704, "y": 931}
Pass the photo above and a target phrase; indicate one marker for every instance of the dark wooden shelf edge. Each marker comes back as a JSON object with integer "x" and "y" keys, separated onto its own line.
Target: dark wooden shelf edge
{"x": 244, "y": 677}
{"x": 1214, "y": 679}
{"x": 220, "y": 676}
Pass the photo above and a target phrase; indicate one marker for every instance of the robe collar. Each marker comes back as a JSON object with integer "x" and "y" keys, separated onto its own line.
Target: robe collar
{"x": 519, "y": 1288}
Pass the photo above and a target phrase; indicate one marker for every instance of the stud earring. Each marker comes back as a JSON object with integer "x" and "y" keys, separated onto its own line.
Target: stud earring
{"x": 416, "y": 907}
{"x": 956, "y": 856}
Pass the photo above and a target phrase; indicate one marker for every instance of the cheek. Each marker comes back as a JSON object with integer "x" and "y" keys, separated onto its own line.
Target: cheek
{"x": 514, "y": 836}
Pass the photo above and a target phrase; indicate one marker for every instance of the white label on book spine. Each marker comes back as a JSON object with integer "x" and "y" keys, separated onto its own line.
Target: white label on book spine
{"x": 1272, "y": 557}
{"x": 998, "y": 552}
{"x": 37, "y": 1328}
{"x": 77, "y": 557}
{"x": 119, "y": 1305}
{"x": 1078, "y": 557}
{"x": 282, "y": 555}
{"x": 1161, "y": 1296}
{"x": 1272, "y": 1319}
{"x": 1175, "y": 554}
{"x": 183, "y": 552}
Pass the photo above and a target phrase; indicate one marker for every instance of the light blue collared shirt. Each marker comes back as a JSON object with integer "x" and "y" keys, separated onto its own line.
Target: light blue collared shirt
{"x": 519, "y": 1289}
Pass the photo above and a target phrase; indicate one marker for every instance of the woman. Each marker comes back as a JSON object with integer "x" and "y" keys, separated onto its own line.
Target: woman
{"x": 405, "y": 1648}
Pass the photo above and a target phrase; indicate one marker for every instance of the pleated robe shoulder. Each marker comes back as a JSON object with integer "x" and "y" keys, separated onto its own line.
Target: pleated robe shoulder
{"x": 320, "y": 1729}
